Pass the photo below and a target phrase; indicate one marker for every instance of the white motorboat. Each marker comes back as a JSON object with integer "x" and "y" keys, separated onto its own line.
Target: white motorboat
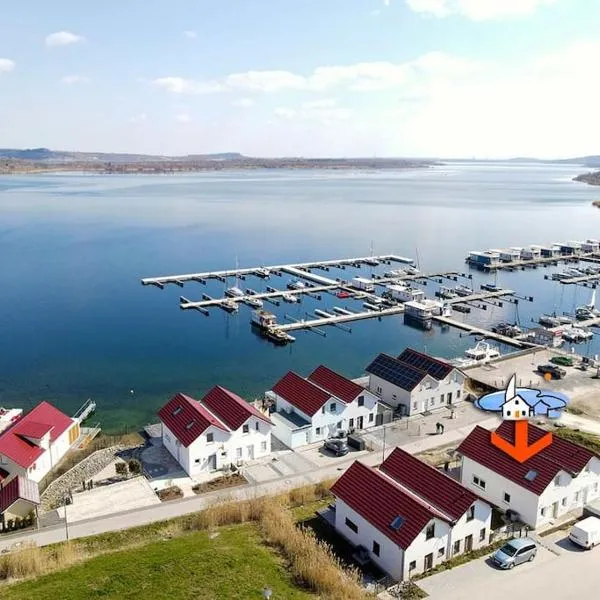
{"x": 291, "y": 298}
{"x": 587, "y": 311}
{"x": 262, "y": 272}
{"x": 234, "y": 292}
{"x": 254, "y": 302}
{"x": 229, "y": 305}
{"x": 480, "y": 354}
{"x": 296, "y": 284}
{"x": 463, "y": 290}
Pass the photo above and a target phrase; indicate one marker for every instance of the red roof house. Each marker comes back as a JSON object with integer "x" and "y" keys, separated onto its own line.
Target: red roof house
{"x": 301, "y": 393}
{"x": 18, "y": 498}
{"x": 337, "y": 385}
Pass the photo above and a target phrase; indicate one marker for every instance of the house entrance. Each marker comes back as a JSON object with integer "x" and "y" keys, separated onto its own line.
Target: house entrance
{"x": 429, "y": 562}
{"x": 212, "y": 462}
{"x": 469, "y": 543}
{"x": 359, "y": 422}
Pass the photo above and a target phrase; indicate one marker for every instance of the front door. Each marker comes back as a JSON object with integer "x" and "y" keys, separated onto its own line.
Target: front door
{"x": 469, "y": 543}
{"x": 429, "y": 562}
{"x": 250, "y": 452}
{"x": 212, "y": 462}
{"x": 359, "y": 422}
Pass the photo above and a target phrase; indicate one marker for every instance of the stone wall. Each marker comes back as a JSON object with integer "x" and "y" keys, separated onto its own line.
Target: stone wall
{"x": 53, "y": 495}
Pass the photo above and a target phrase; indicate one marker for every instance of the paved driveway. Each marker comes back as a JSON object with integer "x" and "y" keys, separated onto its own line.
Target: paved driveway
{"x": 573, "y": 575}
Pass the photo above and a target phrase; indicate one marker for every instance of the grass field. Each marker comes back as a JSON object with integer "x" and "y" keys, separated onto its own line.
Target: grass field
{"x": 236, "y": 564}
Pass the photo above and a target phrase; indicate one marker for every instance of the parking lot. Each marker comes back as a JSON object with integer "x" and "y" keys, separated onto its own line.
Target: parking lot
{"x": 560, "y": 571}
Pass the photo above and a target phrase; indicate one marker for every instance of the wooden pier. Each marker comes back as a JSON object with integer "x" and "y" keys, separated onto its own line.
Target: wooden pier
{"x": 580, "y": 279}
{"x": 472, "y": 329}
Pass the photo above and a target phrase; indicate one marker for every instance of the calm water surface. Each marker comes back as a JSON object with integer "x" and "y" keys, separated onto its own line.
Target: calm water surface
{"x": 77, "y": 323}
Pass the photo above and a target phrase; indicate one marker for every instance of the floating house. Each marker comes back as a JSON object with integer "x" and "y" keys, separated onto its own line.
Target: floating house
{"x": 510, "y": 255}
{"x": 484, "y": 259}
{"x": 531, "y": 253}
{"x": 363, "y": 284}
{"x": 591, "y": 246}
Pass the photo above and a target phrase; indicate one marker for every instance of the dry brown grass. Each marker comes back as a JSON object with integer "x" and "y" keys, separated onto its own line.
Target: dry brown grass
{"x": 32, "y": 561}
{"x": 309, "y": 493}
{"x": 311, "y": 560}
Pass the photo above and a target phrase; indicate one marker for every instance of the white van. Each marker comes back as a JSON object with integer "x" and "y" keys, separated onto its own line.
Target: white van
{"x": 586, "y": 533}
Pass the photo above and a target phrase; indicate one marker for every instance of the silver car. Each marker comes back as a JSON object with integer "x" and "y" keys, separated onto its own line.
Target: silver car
{"x": 515, "y": 552}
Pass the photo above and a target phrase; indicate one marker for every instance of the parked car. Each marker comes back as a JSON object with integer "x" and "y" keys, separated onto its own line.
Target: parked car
{"x": 586, "y": 533}
{"x": 337, "y": 446}
{"x": 554, "y": 371}
{"x": 515, "y": 552}
{"x": 563, "y": 361}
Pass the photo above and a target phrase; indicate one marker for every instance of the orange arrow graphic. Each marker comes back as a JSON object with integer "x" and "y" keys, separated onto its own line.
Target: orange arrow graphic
{"x": 521, "y": 450}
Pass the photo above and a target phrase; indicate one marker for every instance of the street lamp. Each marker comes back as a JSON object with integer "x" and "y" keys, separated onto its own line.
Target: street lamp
{"x": 267, "y": 593}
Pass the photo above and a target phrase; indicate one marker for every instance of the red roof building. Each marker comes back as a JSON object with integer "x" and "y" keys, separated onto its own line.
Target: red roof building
{"x": 230, "y": 408}
{"x": 18, "y": 498}
{"x": 301, "y": 393}
{"x": 337, "y": 385}
{"x": 35, "y": 442}
{"x": 559, "y": 479}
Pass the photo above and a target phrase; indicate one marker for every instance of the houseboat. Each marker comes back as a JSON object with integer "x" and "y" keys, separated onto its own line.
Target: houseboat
{"x": 263, "y": 319}
{"x": 569, "y": 248}
{"x": 510, "y": 255}
{"x": 484, "y": 260}
{"x": 531, "y": 253}
{"x": 591, "y": 246}
{"x": 550, "y": 251}
{"x": 404, "y": 294}
{"x": 546, "y": 337}
{"x": 363, "y": 284}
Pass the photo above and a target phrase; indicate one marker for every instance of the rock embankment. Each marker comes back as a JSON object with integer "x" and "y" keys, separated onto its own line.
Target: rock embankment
{"x": 53, "y": 495}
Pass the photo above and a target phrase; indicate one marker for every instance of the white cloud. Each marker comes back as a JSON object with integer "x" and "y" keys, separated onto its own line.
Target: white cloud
{"x": 323, "y": 103}
{"x": 63, "y": 38}
{"x": 142, "y": 117}
{"x": 192, "y": 35}
{"x": 183, "y": 118}
{"x": 179, "y": 85}
{"x": 265, "y": 81}
{"x": 478, "y": 10}
{"x": 243, "y": 102}
{"x": 286, "y": 113}
{"x": 319, "y": 111}
{"x": 6, "y": 65}
{"x": 71, "y": 79}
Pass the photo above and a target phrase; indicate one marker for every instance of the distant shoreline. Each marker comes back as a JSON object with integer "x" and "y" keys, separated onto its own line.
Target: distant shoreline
{"x": 24, "y": 167}
{"x": 591, "y": 178}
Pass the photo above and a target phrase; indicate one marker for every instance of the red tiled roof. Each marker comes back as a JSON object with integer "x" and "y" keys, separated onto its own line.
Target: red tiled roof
{"x": 560, "y": 455}
{"x": 187, "y": 418}
{"x": 24, "y": 452}
{"x": 231, "y": 409}
{"x": 427, "y": 482}
{"x": 18, "y": 488}
{"x": 301, "y": 393}
{"x": 34, "y": 430}
{"x": 379, "y": 500}
{"x": 337, "y": 385}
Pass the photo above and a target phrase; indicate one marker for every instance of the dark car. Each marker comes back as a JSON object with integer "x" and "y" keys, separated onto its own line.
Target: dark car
{"x": 336, "y": 446}
{"x": 554, "y": 371}
{"x": 563, "y": 361}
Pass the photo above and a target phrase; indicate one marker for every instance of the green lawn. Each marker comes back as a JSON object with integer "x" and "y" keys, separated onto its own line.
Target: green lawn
{"x": 234, "y": 565}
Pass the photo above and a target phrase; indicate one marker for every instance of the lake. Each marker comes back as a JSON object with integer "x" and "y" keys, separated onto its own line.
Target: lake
{"x": 77, "y": 323}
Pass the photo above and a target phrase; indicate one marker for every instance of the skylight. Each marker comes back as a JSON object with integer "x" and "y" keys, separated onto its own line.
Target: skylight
{"x": 190, "y": 424}
{"x": 177, "y": 411}
{"x": 397, "y": 523}
{"x": 531, "y": 475}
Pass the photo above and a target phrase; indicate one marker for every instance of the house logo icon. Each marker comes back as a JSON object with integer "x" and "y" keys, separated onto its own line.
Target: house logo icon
{"x": 518, "y": 405}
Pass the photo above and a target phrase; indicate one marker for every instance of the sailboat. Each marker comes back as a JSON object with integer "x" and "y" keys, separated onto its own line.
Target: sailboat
{"x": 588, "y": 311}
{"x": 235, "y": 291}
{"x": 372, "y": 261}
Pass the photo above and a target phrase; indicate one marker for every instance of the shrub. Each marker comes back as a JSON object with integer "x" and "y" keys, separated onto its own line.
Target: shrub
{"x": 121, "y": 468}
{"x": 135, "y": 466}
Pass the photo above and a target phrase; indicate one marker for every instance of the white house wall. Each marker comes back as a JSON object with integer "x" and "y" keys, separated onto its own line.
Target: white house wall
{"x": 421, "y": 547}
{"x": 429, "y": 395}
{"x": 463, "y": 528}
{"x": 390, "y": 557}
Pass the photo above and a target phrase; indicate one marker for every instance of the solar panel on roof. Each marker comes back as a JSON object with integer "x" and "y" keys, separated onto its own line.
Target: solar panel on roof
{"x": 531, "y": 475}
{"x": 397, "y": 523}
{"x": 399, "y": 373}
{"x": 425, "y": 363}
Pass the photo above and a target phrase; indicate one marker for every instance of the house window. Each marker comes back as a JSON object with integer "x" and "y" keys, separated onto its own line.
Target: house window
{"x": 543, "y": 511}
{"x": 412, "y": 565}
{"x": 378, "y": 391}
{"x": 351, "y": 525}
{"x": 361, "y": 402}
{"x": 351, "y": 423}
{"x": 177, "y": 411}
{"x": 506, "y": 498}
{"x": 508, "y": 413}
{"x": 456, "y": 548}
{"x": 557, "y": 480}
{"x": 323, "y": 410}
{"x": 210, "y": 437}
{"x": 238, "y": 453}
{"x": 449, "y": 397}
{"x": 564, "y": 501}
{"x": 414, "y": 406}
{"x": 457, "y": 394}
{"x": 257, "y": 426}
{"x": 479, "y": 482}
{"x": 440, "y": 552}
{"x": 596, "y": 486}
{"x": 318, "y": 431}
{"x": 370, "y": 417}
{"x": 263, "y": 446}
{"x": 332, "y": 407}
{"x": 482, "y": 535}
{"x": 577, "y": 496}
{"x": 430, "y": 531}
{"x": 197, "y": 461}
{"x": 442, "y": 399}
{"x": 471, "y": 513}
{"x": 339, "y": 424}
{"x": 376, "y": 548}
{"x": 246, "y": 428}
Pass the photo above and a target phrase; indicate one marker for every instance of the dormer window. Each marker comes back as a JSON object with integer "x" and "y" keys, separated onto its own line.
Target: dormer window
{"x": 177, "y": 411}
{"x": 246, "y": 428}
{"x": 210, "y": 437}
{"x": 332, "y": 407}
{"x": 190, "y": 424}
{"x": 361, "y": 400}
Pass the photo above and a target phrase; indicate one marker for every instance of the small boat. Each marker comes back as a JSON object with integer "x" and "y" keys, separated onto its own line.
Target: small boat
{"x": 549, "y": 321}
{"x": 322, "y": 313}
{"x": 343, "y": 294}
{"x": 376, "y": 300}
{"x": 234, "y": 292}
{"x": 560, "y": 276}
{"x": 291, "y": 298}
{"x": 463, "y": 290}
{"x": 373, "y": 262}
{"x": 395, "y": 273}
{"x": 577, "y": 334}
{"x": 263, "y": 319}
{"x": 572, "y": 272}
{"x": 507, "y": 329}
{"x": 262, "y": 272}
{"x": 229, "y": 305}
{"x": 446, "y": 293}
{"x": 462, "y": 308}
{"x": 490, "y": 287}
{"x": 254, "y": 302}
{"x": 279, "y": 337}
{"x": 588, "y": 311}
{"x": 412, "y": 271}
{"x": 296, "y": 284}
{"x": 482, "y": 352}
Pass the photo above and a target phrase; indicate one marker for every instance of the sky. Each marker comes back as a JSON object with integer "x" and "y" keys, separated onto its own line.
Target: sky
{"x": 344, "y": 78}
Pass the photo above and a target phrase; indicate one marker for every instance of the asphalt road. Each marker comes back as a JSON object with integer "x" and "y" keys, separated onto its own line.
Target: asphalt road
{"x": 574, "y": 574}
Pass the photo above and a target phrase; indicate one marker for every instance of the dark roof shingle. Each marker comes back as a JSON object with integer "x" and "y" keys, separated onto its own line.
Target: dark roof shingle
{"x": 336, "y": 384}
{"x": 560, "y": 455}
{"x": 379, "y": 500}
{"x": 427, "y": 482}
{"x": 432, "y": 366}
{"x": 301, "y": 393}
